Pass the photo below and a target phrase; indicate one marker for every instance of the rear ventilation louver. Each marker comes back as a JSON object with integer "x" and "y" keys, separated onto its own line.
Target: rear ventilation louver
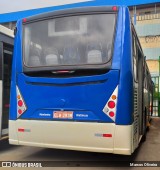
{"x": 135, "y": 131}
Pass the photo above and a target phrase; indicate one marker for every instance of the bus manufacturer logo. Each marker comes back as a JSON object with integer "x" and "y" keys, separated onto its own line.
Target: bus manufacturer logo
{"x": 44, "y": 114}
{"x": 63, "y": 114}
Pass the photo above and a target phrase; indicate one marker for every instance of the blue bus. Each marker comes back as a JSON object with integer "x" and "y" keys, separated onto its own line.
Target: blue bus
{"x": 79, "y": 81}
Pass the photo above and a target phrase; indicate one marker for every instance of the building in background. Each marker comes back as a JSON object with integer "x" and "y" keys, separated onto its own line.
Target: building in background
{"x": 146, "y": 19}
{"x": 147, "y": 23}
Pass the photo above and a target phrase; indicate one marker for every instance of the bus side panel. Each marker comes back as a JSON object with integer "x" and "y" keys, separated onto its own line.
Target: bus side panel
{"x": 118, "y": 42}
{"x": 125, "y": 95}
{"x": 16, "y": 59}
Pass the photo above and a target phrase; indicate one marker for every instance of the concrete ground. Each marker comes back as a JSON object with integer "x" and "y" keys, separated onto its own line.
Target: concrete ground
{"x": 147, "y": 151}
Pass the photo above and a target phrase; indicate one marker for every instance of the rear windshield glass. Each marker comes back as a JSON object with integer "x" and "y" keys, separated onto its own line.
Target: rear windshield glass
{"x": 73, "y": 40}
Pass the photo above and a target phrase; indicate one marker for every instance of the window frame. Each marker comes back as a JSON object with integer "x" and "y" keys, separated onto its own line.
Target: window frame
{"x": 106, "y": 65}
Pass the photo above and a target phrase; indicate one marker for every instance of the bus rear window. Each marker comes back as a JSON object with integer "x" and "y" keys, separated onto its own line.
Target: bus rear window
{"x": 74, "y": 40}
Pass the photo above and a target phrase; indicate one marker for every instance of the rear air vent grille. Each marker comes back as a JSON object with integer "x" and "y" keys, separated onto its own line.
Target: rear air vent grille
{"x": 135, "y": 117}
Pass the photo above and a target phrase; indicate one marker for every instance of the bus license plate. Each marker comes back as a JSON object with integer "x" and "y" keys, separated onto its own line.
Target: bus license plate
{"x": 63, "y": 114}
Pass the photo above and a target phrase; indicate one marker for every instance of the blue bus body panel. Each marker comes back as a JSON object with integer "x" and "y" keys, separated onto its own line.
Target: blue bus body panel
{"x": 82, "y": 95}
{"x": 86, "y": 96}
{"x": 117, "y": 52}
{"x": 125, "y": 95}
{"x": 16, "y": 66}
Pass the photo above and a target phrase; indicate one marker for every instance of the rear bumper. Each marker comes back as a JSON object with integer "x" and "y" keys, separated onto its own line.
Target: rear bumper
{"x": 72, "y": 135}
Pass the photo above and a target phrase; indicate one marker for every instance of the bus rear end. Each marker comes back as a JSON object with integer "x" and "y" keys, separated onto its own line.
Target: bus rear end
{"x": 65, "y": 82}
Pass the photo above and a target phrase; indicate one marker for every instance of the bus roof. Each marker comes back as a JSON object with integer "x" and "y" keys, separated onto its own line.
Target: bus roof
{"x": 73, "y": 11}
{"x": 6, "y": 31}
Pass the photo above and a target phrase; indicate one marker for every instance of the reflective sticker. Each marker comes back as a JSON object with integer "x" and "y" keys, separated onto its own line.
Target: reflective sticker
{"x": 82, "y": 115}
{"x": 23, "y": 130}
{"x": 44, "y": 114}
{"x": 106, "y": 135}
{"x": 98, "y": 135}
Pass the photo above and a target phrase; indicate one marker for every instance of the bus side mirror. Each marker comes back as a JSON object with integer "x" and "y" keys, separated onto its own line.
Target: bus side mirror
{"x": 15, "y": 31}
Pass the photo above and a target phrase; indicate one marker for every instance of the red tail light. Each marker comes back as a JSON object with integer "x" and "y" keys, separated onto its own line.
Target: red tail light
{"x": 20, "y": 111}
{"x": 21, "y": 107}
{"x": 20, "y": 103}
{"x": 111, "y": 104}
{"x": 111, "y": 114}
{"x": 110, "y": 107}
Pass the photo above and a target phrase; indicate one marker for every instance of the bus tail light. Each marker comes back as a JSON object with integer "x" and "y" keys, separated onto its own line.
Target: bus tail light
{"x": 111, "y": 104}
{"x": 111, "y": 114}
{"x": 21, "y": 106}
{"x": 110, "y": 107}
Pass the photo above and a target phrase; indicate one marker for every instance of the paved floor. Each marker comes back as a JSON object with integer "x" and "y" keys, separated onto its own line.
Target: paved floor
{"x": 148, "y": 151}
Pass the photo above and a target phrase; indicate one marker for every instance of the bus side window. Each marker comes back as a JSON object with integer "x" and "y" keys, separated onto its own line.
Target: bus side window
{"x": 135, "y": 57}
